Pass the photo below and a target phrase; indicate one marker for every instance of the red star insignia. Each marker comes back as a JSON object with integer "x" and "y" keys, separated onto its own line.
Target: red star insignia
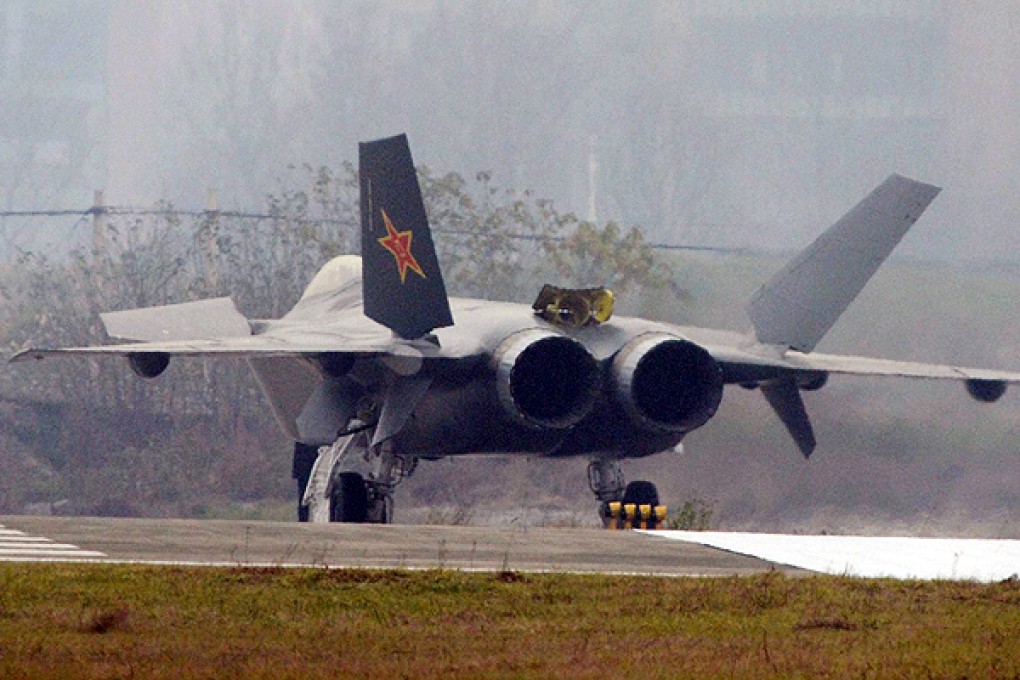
{"x": 399, "y": 243}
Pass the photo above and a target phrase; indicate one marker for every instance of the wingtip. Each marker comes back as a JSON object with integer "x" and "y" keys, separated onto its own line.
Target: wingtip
{"x": 27, "y": 355}
{"x": 929, "y": 191}
{"x": 807, "y": 449}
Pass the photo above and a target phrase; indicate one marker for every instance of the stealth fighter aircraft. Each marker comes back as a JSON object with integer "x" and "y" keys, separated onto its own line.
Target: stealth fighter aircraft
{"x": 376, "y": 368}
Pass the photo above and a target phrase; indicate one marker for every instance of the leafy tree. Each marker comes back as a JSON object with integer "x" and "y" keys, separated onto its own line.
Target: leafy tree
{"x": 593, "y": 255}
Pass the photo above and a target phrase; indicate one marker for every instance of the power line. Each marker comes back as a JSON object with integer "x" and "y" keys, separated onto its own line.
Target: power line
{"x": 46, "y": 213}
{"x": 237, "y": 214}
{"x": 165, "y": 212}
{"x": 561, "y": 239}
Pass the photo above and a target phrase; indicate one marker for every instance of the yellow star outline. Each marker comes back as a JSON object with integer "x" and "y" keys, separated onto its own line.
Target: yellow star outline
{"x": 399, "y": 244}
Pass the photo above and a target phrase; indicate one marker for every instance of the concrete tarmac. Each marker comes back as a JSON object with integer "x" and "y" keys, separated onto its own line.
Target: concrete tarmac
{"x": 162, "y": 541}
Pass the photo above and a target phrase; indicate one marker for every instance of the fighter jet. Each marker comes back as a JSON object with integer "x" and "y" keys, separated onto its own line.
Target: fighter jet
{"x": 376, "y": 368}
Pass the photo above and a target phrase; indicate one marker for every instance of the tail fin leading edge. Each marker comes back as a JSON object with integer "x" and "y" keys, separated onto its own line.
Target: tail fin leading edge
{"x": 799, "y": 305}
{"x": 403, "y": 286}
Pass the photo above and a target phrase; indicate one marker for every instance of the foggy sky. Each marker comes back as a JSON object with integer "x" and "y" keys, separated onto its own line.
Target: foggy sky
{"x": 733, "y": 123}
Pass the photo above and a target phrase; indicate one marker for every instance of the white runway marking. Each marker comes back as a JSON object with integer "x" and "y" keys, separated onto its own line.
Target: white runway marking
{"x": 17, "y": 546}
{"x": 964, "y": 559}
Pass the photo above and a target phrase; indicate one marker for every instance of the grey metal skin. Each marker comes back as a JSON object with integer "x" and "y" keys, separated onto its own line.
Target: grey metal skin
{"x": 799, "y": 305}
{"x": 481, "y": 376}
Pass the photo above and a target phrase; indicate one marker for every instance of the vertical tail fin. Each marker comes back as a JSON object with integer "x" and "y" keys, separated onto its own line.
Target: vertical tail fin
{"x": 403, "y": 286}
{"x": 799, "y": 305}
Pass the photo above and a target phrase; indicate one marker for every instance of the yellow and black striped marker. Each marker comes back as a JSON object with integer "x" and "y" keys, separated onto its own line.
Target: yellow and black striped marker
{"x": 635, "y": 516}
{"x": 646, "y": 512}
{"x": 614, "y": 515}
{"x": 629, "y": 513}
{"x": 660, "y": 516}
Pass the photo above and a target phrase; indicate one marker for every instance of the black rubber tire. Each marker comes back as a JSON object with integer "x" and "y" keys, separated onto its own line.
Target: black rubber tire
{"x": 349, "y": 500}
{"x": 304, "y": 459}
{"x": 641, "y": 493}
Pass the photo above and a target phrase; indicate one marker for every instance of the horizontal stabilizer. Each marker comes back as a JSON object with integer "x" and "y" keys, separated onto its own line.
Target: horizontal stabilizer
{"x": 204, "y": 319}
{"x": 799, "y": 305}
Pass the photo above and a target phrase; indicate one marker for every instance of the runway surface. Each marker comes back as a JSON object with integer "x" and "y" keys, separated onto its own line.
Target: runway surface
{"x": 668, "y": 553}
{"x": 28, "y": 538}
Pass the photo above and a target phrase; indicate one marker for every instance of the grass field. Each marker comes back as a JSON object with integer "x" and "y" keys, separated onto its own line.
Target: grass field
{"x": 92, "y": 621}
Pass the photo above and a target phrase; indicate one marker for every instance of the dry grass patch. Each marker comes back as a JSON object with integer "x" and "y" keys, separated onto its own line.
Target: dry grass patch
{"x": 94, "y": 621}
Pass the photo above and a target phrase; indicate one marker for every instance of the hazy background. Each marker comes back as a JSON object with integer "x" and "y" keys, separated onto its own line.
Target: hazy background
{"x": 734, "y": 123}
{"x": 721, "y": 122}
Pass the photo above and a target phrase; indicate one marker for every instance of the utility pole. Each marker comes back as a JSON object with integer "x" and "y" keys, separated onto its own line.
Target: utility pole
{"x": 99, "y": 222}
{"x": 209, "y": 247}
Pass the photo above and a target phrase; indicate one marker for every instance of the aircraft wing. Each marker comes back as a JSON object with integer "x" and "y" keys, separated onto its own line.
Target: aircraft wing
{"x": 781, "y": 375}
{"x": 851, "y": 365}
{"x": 254, "y": 346}
{"x": 214, "y": 328}
{"x": 737, "y": 361}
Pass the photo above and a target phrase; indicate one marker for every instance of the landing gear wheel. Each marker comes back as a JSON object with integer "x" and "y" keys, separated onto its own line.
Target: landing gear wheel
{"x": 641, "y": 493}
{"x": 348, "y": 501}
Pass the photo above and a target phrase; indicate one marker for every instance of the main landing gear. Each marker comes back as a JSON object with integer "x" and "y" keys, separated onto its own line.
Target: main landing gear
{"x": 635, "y": 505}
{"x": 352, "y": 481}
